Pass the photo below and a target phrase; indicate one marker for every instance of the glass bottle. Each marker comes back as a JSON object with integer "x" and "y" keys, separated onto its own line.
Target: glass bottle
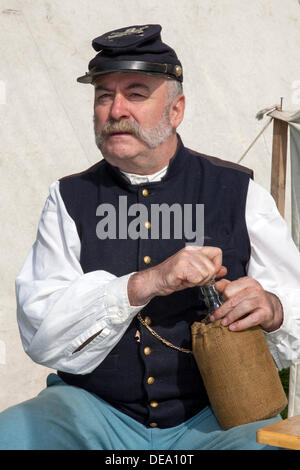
{"x": 211, "y": 298}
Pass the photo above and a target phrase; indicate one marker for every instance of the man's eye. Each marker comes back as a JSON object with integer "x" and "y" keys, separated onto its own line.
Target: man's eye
{"x": 137, "y": 96}
{"x": 103, "y": 97}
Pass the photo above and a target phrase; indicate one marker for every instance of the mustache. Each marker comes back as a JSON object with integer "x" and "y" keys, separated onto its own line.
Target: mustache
{"x": 121, "y": 126}
{"x": 152, "y": 137}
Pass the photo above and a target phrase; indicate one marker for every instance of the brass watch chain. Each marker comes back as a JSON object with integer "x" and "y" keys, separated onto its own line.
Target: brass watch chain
{"x": 166, "y": 342}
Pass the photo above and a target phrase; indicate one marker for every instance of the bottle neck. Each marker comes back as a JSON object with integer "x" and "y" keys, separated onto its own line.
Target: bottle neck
{"x": 211, "y": 297}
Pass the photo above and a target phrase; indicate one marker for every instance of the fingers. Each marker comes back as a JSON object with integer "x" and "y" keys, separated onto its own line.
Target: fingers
{"x": 245, "y": 304}
{"x": 241, "y": 316}
{"x": 207, "y": 258}
{"x": 231, "y": 288}
{"x": 213, "y": 253}
{"x": 221, "y": 272}
{"x": 206, "y": 264}
{"x": 249, "y": 321}
{"x": 192, "y": 266}
{"x": 220, "y": 285}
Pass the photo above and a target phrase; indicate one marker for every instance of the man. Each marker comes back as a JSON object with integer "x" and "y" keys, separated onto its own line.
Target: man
{"x": 122, "y": 246}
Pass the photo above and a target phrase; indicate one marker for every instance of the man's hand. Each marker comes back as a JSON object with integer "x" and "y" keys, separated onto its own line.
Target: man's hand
{"x": 245, "y": 296}
{"x": 192, "y": 266}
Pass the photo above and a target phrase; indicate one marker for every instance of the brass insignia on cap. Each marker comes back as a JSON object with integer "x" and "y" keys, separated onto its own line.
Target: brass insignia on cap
{"x": 178, "y": 70}
{"x": 127, "y": 32}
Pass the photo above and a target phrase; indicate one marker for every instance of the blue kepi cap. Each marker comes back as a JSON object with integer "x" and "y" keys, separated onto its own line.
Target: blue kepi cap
{"x": 137, "y": 49}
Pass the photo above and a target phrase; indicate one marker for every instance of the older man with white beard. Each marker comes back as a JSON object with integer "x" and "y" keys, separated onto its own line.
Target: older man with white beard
{"x": 84, "y": 301}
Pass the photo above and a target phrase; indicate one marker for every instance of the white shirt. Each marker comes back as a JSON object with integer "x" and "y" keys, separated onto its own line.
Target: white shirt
{"x": 59, "y": 307}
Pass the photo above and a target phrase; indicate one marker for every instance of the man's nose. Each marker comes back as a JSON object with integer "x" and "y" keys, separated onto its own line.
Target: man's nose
{"x": 119, "y": 108}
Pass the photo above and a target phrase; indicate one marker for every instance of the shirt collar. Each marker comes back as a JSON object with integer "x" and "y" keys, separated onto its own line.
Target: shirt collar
{"x": 141, "y": 179}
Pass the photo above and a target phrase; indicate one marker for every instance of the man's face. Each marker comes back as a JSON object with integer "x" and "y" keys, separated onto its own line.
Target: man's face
{"x": 131, "y": 115}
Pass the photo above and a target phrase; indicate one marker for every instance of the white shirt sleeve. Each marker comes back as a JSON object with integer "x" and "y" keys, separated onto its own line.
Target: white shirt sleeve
{"x": 59, "y": 307}
{"x": 275, "y": 264}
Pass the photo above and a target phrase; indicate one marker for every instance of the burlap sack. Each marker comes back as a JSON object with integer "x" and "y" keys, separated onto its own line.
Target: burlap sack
{"x": 239, "y": 373}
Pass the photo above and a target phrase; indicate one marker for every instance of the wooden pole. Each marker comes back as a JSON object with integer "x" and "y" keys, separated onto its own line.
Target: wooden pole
{"x": 278, "y": 172}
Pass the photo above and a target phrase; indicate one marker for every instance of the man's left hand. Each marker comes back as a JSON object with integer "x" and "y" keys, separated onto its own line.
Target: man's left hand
{"x": 246, "y": 298}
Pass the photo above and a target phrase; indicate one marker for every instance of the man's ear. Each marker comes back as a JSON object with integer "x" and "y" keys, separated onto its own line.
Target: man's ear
{"x": 177, "y": 111}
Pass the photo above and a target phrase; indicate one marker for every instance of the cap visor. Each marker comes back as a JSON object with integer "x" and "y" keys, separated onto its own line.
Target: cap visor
{"x": 91, "y": 78}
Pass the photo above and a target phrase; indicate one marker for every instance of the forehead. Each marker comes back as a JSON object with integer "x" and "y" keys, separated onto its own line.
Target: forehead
{"x": 124, "y": 80}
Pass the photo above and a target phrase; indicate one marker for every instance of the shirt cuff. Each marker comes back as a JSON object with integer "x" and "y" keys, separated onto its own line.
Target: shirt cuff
{"x": 117, "y": 303}
{"x": 285, "y": 325}
{"x": 277, "y": 339}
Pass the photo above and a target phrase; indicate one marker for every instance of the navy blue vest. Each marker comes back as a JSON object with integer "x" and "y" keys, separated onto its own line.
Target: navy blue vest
{"x": 177, "y": 392}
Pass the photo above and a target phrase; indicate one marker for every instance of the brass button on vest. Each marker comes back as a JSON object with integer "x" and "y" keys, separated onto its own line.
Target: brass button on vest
{"x": 154, "y": 404}
{"x": 147, "y": 259}
{"x": 147, "y": 320}
{"x": 150, "y": 380}
{"x": 145, "y": 192}
{"x": 147, "y": 350}
{"x": 153, "y": 425}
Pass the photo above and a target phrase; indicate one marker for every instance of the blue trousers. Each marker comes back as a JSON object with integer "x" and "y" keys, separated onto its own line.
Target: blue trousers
{"x": 63, "y": 417}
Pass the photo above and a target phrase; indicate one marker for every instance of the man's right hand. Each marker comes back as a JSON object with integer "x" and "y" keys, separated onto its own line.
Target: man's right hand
{"x": 191, "y": 266}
